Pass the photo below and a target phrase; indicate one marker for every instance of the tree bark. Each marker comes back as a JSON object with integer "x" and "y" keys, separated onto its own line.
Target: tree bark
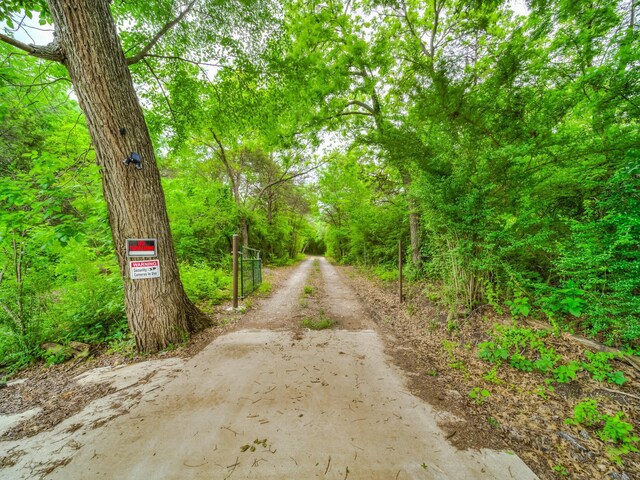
{"x": 158, "y": 309}
{"x": 414, "y": 222}
{"x": 244, "y": 225}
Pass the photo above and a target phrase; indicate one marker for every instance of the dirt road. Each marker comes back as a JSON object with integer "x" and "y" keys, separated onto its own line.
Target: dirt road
{"x": 270, "y": 401}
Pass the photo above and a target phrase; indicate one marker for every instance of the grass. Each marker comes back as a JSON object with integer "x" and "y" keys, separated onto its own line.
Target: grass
{"x": 265, "y": 289}
{"x": 321, "y": 323}
{"x": 309, "y": 291}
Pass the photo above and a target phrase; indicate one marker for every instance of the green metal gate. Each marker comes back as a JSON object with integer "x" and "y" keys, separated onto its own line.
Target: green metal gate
{"x": 250, "y": 271}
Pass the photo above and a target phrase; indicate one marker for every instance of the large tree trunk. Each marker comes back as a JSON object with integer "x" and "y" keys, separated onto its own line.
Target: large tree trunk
{"x": 158, "y": 309}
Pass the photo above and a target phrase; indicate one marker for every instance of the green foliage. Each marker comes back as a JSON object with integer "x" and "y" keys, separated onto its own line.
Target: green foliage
{"x": 503, "y": 148}
{"x": 585, "y": 413}
{"x": 479, "y": 395}
{"x": 619, "y": 433}
{"x": 205, "y": 284}
{"x": 520, "y": 163}
{"x": 602, "y": 255}
{"x": 566, "y": 373}
{"x": 265, "y": 288}
{"x": 519, "y": 306}
{"x": 54, "y": 357}
{"x": 561, "y": 470}
{"x": 358, "y": 230}
{"x": 516, "y": 345}
{"x": 124, "y": 345}
{"x": 600, "y": 368}
{"x": 59, "y": 279}
{"x": 385, "y": 274}
{"x": 450, "y": 348}
{"x": 525, "y": 350}
{"x": 567, "y": 301}
{"x": 492, "y": 375}
{"x": 321, "y": 323}
{"x": 614, "y": 430}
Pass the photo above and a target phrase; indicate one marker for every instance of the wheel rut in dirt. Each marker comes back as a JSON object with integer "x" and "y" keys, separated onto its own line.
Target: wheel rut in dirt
{"x": 278, "y": 401}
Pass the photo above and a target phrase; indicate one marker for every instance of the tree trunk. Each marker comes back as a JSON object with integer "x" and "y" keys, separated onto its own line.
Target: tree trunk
{"x": 414, "y": 231}
{"x": 158, "y": 309}
{"x": 245, "y": 231}
{"x": 414, "y": 222}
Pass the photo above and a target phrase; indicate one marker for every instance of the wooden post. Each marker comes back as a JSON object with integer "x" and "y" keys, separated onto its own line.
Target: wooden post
{"x": 235, "y": 271}
{"x": 400, "y": 269}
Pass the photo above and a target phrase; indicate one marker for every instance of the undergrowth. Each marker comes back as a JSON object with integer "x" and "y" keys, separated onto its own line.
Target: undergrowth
{"x": 611, "y": 429}
{"x": 525, "y": 349}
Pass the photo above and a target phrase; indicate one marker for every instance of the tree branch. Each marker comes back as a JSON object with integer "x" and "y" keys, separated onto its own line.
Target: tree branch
{"x": 283, "y": 178}
{"x": 42, "y": 84}
{"x": 350, "y": 112}
{"x": 164, "y": 94}
{"x": 47, "y": 52}
{"x": 361, "y": 104}
{"x": 232, "y": 174}
{"x": 168, "y": 26}
{"x": 182, "y": 59}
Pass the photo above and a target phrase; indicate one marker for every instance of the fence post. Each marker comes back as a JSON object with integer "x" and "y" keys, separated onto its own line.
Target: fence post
{"x": 235, "y": 271}
{"x": 400, "y": 269}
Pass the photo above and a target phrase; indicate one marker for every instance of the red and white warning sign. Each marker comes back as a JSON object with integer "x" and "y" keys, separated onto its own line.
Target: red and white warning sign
{"x": 142, "y": 247}
{"x": 144, "y": 269}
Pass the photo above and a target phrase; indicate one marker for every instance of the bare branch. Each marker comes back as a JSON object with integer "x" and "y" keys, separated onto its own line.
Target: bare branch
{"x": 47, "y": 52}
{"x": 42, "y": 84}
{"x": 164, "y": 94}
{"x": 182, "y": 59}
{"x": 283, "y": 178}
{"x": 168, "y": 26}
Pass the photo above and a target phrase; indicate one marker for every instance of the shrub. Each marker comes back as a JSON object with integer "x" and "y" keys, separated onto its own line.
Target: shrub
{"x": 205, "y": 284}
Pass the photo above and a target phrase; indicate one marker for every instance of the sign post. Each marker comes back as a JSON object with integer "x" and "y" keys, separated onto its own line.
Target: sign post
{"x": 235, "y": 271}
{"x": 400, "y": 269}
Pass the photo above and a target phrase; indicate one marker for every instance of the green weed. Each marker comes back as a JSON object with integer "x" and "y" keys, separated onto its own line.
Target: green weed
{"x": 321, "y": 323}
{"x": 492, "y": 376}
{"x": 613, "y": 430}
{"x": 265, "y": 288}
{"x": 561, "y": 470}
{"x": 123, "y": 346}
{"x": 479, "y": 395}
{"x": 525, "y": 350}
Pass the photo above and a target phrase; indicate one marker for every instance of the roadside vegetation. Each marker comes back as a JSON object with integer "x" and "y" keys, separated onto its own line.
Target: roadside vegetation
{"x": 569, "y": 409}
{"x": 59, "y": 279}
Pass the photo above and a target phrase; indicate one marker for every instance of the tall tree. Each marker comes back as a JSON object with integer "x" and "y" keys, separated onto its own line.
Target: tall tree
{"x": 87, "y": 44}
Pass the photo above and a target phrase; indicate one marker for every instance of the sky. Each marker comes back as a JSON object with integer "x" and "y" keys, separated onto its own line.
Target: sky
{"x": 31, "y": 31}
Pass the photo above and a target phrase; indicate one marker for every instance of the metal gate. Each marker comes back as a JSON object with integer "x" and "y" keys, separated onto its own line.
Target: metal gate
{"x": 250, "y": 271}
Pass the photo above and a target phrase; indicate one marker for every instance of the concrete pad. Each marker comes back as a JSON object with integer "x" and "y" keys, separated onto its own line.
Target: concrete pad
{"x": 8, "y": 421}
{"x": 299, "y": 409}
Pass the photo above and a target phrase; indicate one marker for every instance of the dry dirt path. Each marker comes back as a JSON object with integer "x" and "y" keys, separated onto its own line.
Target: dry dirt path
{"x": 270, "y": 401}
